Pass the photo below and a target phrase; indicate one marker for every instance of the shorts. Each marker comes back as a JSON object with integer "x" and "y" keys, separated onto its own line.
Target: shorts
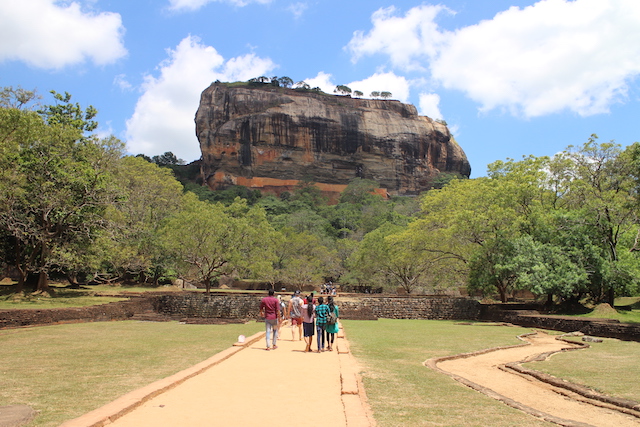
{"x": 308, "y": 329}
{"x": 296, "y": 321}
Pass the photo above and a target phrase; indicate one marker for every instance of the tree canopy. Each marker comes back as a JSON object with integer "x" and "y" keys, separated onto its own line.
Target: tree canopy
{"x": 73, "y": 205}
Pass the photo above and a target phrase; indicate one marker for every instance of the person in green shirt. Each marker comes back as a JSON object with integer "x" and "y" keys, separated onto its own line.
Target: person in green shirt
{"x": 322, "y": 313}
{"x": 332, "y": 327}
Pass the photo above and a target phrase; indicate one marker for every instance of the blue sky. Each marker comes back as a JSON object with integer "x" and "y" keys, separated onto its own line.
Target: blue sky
{"x": 510, "y": 77}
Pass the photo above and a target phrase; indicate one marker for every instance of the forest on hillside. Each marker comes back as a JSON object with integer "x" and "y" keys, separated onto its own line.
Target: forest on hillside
{"x": 74, "y": 206}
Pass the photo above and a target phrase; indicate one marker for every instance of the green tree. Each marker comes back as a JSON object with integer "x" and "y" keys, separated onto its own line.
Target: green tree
{"x": 467, "y": 218}
{"x": 596, "y": 181}
{"x": 60, "y": 185}
{"x": 17, "y": 98}
{"x": 209, "y": 240}
{"x": 67, "y": 114}
{"x": 149, "y": 195}
{"x": 444, "y": 178}
{"x": 56, "y": 184}
{"x": 302, "y": 85}
{"x": 307, "y": 193}
{"x": 302, "y": 259}
{"x": 360, "y": 191}
{"x": 523, "y": 263}
{"x": 385, "y": 95}
{"x": 389, "y": 255}
{"x": 342, "y": 90}
{"x": 166, "y": 159}
{"x": 286, "y": 82}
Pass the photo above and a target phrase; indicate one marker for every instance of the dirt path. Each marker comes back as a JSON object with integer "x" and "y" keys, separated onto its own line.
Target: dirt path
{"x": 485, "y": 372}
{"x": 251, "y": 386}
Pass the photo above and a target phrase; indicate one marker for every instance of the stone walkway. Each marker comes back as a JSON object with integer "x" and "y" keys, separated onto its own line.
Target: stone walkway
{"x": 247, "y": 385}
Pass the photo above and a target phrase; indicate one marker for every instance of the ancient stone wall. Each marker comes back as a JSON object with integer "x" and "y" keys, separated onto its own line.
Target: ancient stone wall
{"x": 594, "y": 327}
{"x": 247, "y": 306}
{"x": 428, "y": 307}
{"x": 238, "y": 306}
{"x": 122, "y": 310}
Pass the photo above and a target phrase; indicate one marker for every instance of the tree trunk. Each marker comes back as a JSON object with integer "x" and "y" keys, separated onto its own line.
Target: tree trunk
{"x": 611, "y": 296}
{"x": 21, "y": 281}
{"x": 549, "y": 302}
{"x": 72, "y": 278}
{"x": 503, "y": 292}
{"x": 43, "y": 283}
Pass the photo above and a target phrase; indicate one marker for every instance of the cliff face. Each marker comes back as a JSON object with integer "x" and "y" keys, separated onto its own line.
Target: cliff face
{"x": 270, "y": 138}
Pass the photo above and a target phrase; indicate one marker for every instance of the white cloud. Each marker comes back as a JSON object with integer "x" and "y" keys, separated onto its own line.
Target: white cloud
{"x": 323, "y": 81}
{"x": 383, "y": 82}
{"x": 406, "y": 40}
{"x": 429, "y": 105}
{"x": 163, "y": 119}
{"x": 47, "y": 35}
{"x": 192, "y": 5}
{"x": 553, "y": 56}
{"x": 298, "y": 9}
{"x": 121, "y": 82}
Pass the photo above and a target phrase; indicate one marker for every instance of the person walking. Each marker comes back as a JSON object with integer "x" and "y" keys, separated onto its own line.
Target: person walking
{"x": 283, "y": 313}
{"x": 308, "y": 316}
{"x": 270, "y": 310}
{"x": 295, "y": 314}
{"x": 322, "y": 313}
{"x": 332, "y": 322}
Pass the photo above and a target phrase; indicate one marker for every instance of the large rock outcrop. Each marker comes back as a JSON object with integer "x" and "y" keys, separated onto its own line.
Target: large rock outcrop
{"x": 270, "y": 138}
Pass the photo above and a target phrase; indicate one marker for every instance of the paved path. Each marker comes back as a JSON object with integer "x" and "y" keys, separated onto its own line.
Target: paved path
{"x": 247, "y": 386}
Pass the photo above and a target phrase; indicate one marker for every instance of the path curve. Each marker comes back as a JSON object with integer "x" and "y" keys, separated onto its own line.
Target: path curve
{"x": 495, "y": 373}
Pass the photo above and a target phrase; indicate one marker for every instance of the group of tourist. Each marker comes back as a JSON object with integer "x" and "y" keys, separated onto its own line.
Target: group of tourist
{"x": 328, "y": 288}
{"x": 308, "y": 317}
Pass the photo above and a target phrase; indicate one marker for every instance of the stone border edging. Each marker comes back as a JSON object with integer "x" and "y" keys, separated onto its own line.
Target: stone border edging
{"x": 112, "y": 411}
{"x": 357, "y": 411}
{"x": 432, "y": 363}
{"x": 626, "y": 406}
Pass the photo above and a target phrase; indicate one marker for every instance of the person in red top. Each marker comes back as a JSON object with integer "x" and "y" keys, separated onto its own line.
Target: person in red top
{"x": 270, "y": 310}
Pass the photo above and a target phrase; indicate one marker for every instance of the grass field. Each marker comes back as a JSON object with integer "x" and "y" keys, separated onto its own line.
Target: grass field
{"x": 84, "y": 296}
{"x": 403, "y": 392}
{"x": 627, "y": 311}
{"x": 64, "y": 371}
{"x": 610, "y": 367}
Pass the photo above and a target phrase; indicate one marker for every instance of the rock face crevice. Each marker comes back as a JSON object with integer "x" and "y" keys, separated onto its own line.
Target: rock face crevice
{"x": 271, "y": 138}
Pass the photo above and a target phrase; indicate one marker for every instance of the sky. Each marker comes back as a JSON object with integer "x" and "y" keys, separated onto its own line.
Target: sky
{"x": 510, "y": 77}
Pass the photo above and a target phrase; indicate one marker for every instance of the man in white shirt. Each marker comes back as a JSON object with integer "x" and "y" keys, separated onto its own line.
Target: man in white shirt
{"x": 295, "y": 314}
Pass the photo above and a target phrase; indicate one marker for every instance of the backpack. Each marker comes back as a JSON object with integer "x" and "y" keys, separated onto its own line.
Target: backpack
{"x": 332, "y": 318}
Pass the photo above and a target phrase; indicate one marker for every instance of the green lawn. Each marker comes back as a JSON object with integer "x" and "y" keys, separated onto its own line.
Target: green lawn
{"x": 64, "y": 371}
{"x": 610, "y": 367}
{"x": 65, "y": 296}
{"x": 403, "y": 392}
